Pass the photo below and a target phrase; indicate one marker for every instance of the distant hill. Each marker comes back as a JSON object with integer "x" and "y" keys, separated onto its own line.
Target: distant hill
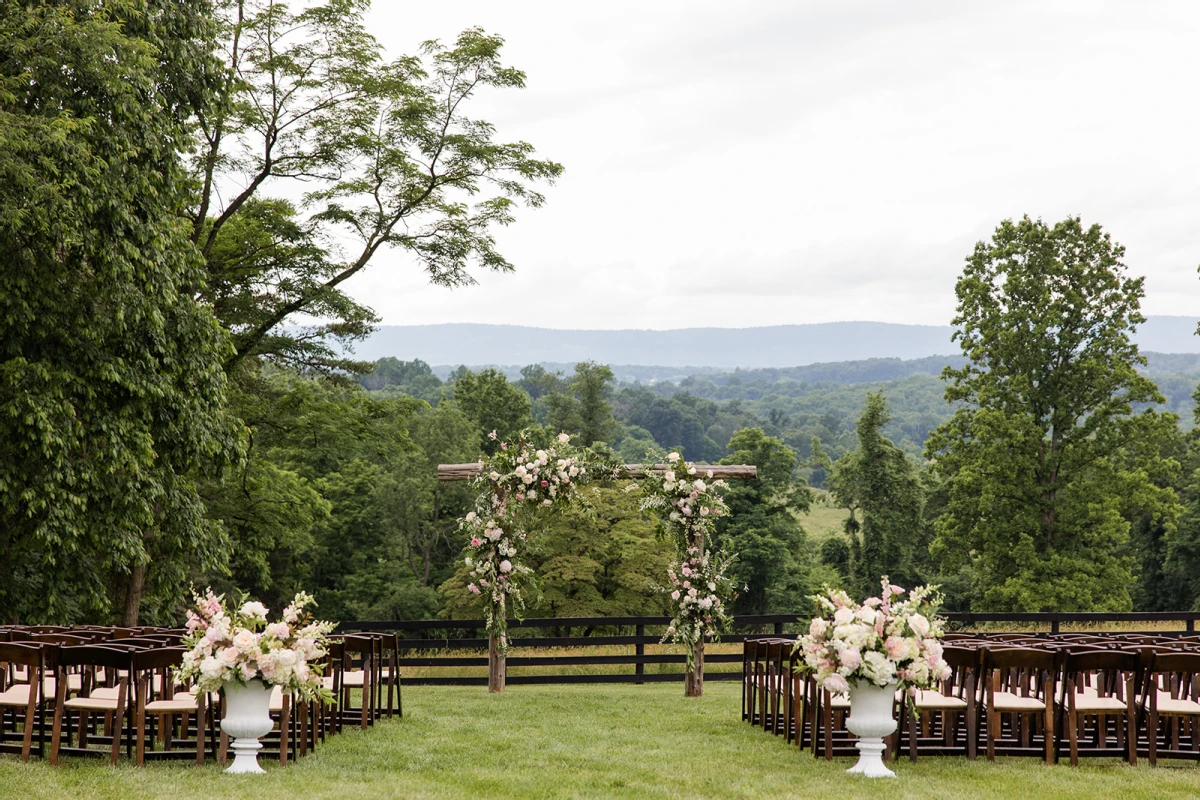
{"x": 779, "y": 346}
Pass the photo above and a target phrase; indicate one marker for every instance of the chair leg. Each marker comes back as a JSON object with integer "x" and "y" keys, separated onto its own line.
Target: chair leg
{"x": 284, "y": 718}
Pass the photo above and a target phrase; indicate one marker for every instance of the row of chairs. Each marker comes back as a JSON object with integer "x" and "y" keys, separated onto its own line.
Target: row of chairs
{"x": 1117, "y": 695}
{"x": 65, "y": 690}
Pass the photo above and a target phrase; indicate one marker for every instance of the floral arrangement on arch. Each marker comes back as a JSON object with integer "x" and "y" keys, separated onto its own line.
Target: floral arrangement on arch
{"x": 689, "y": 502}
{"x": 889, "y": 639}
{"x": 240, "y": 645}
{"x": 518, "y": 484}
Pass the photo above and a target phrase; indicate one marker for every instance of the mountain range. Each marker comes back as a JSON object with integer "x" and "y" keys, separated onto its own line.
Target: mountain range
{"x": 698, "y": 348}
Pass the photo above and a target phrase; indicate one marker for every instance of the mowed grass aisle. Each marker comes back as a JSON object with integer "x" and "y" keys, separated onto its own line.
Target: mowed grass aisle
{"x": 584, "y": 741}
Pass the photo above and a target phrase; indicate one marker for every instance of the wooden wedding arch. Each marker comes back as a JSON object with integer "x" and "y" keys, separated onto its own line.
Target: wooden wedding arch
{"x": 694, "y": 677}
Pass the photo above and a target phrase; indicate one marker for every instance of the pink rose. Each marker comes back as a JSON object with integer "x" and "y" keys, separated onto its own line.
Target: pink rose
{"x": 851, "y": 659}
{"x": 895, "y": 647}
{"x": 476, "y": 542}
{"x": 230, "y": 655}
{"x": 836, "y": 684}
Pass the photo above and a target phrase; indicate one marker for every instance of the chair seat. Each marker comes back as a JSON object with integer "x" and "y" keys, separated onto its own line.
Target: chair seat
{"x": 277, "y": 699}
{"x": 181, "y": 703}
{"x": 1009, "y": 702}
{"x": 929, "y": 700}
{"x": 839, "y": 701}
{"x": 1170, "y": 705}
{"x": 353, "y": 680}
{"x": 1091, "y": 703}
{"x": 17, "y": 695}
{"x": 105, "y": 692}
{"x": 327, "y": 682}
{"x": 92, "y": 703}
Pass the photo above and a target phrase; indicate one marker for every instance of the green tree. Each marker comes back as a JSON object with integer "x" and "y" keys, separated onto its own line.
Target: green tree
{"x": 763, "y": 529}
{"x": 880, "y": 487}
{"x": 585, "y": 408}
{"x": 383, "y": 154}
{"x": 492, "y": 403}
{"x": 111, "y": 393}
{"x": 1046, "y": 462}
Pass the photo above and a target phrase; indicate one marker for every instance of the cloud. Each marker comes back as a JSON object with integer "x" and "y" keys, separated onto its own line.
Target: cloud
{"x": 778, "y": 162}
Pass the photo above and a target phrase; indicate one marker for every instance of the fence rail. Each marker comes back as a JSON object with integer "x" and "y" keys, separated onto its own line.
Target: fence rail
{"x": 418, "y": 645}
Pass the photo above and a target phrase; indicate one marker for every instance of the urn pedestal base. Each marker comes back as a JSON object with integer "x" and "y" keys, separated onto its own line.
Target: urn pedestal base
{"x": 870, "y": 720}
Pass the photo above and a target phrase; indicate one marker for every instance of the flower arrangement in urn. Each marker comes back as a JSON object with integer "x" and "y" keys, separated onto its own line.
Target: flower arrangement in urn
{"x": 237, "y": 646}
{"x": 869, "y": 650}
{"x": 889, "y": 639}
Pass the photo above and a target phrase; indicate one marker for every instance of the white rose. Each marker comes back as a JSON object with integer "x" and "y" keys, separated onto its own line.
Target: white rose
{"x": 471, "y": 515}
{"x": 245, "y": 640}
{"x": 672, "y": 457}
{"x": 699, "y": 484}
{"x": 564, "y": 438}
{"x": 842, "y": 616}
{"x": 211, "y": 668}
{"x": 919, "y": 625}
{"x": 254, "y": 610}
{"x": 286, "y": 658}
{"x": 506, "y": 566}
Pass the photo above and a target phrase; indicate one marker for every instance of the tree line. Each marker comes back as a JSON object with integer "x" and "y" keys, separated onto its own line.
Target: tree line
{"x": 181, "y": 183}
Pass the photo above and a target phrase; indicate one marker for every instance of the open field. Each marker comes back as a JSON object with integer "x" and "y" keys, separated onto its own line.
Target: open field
{"x": 823, "y": 519}
{"x": 585, "y": 741}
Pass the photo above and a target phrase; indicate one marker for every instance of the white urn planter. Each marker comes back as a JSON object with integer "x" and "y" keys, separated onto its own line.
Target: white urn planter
{"x": 247, "y": 719}
{"x": 870, "y": 720}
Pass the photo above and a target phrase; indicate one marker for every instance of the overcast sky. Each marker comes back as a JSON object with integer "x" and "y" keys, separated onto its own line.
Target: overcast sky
{"x": 739, "y": 164}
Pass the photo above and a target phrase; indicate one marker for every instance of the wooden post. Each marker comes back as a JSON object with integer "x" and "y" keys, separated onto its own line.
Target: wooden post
{"x": 496, "y": 668}
{"x": 693, "y": 681}
{"x": 640, "y": 650}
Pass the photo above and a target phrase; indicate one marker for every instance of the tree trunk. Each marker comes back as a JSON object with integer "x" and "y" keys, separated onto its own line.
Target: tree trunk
{"x": 693, "y": 680}
{"x": 495, "y": 665}
{"x": 133, "y": 595}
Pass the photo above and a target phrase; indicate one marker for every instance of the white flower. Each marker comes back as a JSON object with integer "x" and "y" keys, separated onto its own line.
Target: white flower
{"x": 286, "y": 658}
{"x": 254, "y": 610}
{"x": 842, "y": 616}
{"x": 506, "y": 566}
{"x": 564, "y": 438}
{"x": 245, "y": 640}
{"x": 691, "y": 470}
{"x": 495, "y": 476}
{"x": 672, "y": 457}
{"x": 211, "y": 668}
{"x": 699, "y": 484}
{"x": 668, "y": 476}
{"x": 878, "y": 668}
{"x": 919, "y": 625}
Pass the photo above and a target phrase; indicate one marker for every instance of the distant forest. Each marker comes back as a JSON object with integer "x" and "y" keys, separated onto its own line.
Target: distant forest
{"x": 699, "y": 408}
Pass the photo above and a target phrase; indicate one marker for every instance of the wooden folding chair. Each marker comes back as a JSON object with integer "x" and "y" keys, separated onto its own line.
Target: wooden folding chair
{"x": 29, "y": 699}
{"x": 113, "y": 702}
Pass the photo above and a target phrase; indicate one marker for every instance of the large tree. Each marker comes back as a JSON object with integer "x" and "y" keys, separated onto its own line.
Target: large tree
{"x": 882, "y": 490}
{"x": 1046, "y": 460}
{"x": 764, "y": 529}
{"x": 380, "y": 154}
{"x": 111, "y": 390}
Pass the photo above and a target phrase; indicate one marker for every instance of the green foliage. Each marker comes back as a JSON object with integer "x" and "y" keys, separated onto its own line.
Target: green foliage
{"x": 384, "y": 152}
{"x": 111, "y": 392}
{"x": 880, "y": 487}
{"x": 1046, "y": 463}
{"x": 492, "y": 403}
{"x": 395, "y": 378}
{"x": 772, "y": 561}
{"x": 584, "y": 409}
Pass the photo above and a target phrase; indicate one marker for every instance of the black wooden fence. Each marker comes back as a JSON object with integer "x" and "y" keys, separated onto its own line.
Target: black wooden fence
{"x": 431, "y": 644}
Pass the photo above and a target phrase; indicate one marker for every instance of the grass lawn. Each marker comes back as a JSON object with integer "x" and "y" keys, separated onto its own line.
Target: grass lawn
{"x": 585, "y": 741}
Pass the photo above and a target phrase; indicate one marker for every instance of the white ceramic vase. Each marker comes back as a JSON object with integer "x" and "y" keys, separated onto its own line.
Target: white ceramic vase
{"x": 247, "y": 719}
{"x": 870, "y": 720}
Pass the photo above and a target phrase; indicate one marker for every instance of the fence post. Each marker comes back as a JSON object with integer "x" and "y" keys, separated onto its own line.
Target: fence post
{"x": 779, "y": 629}
{"x": 640, "y": 650}
{"x": 1191, "y": 626}
{"x": 1054, "y": 626}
